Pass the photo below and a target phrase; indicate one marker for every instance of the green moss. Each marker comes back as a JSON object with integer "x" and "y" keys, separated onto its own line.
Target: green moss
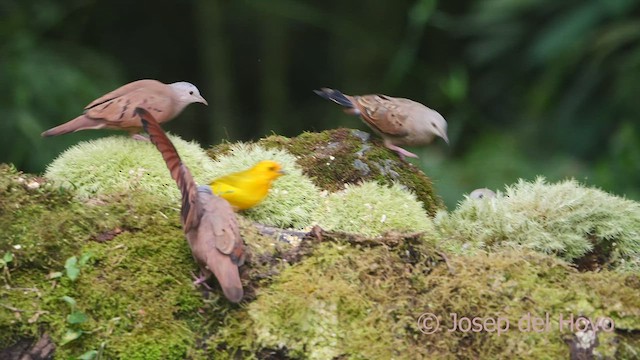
{"x": 136, "y": 288}
{"x": 370, "y": 209}
{"x": 337, "y": 157}
{"x": 327, "y": 297}
{"x": 293, "y": 197}
{"x": 363, "y": 303}
{"x": 121, "y": 165}
{"x": 577, "y": 223}
{"x": 328, "y": 314}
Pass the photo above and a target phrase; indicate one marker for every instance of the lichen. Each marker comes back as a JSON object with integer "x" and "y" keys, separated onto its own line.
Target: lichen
{"x": 121, "y": 165}
{"x": 567, "y": 219}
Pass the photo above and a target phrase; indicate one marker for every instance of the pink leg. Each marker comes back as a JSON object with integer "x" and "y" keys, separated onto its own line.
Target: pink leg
{"x": 200, "y": 280}
{"x": 139, "y": 137}
{"x": 402, "y": 152}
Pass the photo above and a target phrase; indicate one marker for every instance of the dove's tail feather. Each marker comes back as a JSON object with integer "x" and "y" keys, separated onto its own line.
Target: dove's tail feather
{"x": 228, "y": 276}
{"x": 80, "y": 123}
{"x": 336, "y": 96}
{"x": 179, "y": 172}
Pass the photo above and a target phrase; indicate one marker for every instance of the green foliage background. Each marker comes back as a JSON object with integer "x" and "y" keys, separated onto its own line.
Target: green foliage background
{"x": 528, "y": 87}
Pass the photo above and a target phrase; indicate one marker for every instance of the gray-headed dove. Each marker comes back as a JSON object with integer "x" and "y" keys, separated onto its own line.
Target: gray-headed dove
{"x": 400, "y": 122}
{"x": 116, "y": 110}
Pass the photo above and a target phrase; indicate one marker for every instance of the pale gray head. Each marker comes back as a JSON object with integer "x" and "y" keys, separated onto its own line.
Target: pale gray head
{"x": 437, "y": 124}
{"x": 483, "y": 193}
{"x": 187, "y": 93}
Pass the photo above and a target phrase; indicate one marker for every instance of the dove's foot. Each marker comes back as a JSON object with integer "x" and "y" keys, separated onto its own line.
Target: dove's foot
{"x": 200, "y": 280}
{"x": 139, "y": 137}
{"x": 401, "y": 152}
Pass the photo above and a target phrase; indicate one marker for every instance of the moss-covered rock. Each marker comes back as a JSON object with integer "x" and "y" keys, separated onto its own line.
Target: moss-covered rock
{"x": 134, "y": 285}
{"x": 365, "y": 302}
{"x": 371, "y": 209}
{"x": 580, "y": 224}
{"x": 113, "y": 274}
{"x": 334, "y": 158}
{"x": 121, "y": 165}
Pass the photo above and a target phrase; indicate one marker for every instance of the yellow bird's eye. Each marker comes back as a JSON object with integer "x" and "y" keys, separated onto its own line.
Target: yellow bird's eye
{"x": 272, "y": 168}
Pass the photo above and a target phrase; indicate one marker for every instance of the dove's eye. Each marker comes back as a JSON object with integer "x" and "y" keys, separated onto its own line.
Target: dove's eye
{"x": 190, "y": 92}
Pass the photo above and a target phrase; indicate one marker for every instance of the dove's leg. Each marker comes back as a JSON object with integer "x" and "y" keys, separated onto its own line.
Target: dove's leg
{"x": 402, "y": 152}
{"x": 200, "y": 280}
{"x": 139, "y": 137}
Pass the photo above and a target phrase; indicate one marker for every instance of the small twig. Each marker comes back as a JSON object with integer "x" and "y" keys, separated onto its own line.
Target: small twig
{"x": 8, "y": 307}
{"x": 446, "y": 261}
{"x": 24, "y": 289}
{"x": 390, "y": 239}
{"x": 270, "y": 230}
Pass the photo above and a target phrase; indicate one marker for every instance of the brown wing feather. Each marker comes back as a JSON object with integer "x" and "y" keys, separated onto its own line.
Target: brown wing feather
{"x": 224, "y": 224}
{"x": 382, "y": 114}
{"x": 217, "y": 239}
{"x": 123, "y": 90}
{"x": 120, "y": 111}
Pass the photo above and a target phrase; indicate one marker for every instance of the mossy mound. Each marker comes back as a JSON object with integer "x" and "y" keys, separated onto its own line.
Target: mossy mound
{"x": 364, "y": 303}
{"x": 122, "y": 165}
{"x": 371, "y": 209}
{"x": 133, "y": 296}
{"x": 337, "y": 157}
{"x": 580, "y": 224}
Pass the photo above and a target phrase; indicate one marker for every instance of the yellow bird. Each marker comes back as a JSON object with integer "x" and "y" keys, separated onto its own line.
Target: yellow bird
{"x": 246, "y": 189}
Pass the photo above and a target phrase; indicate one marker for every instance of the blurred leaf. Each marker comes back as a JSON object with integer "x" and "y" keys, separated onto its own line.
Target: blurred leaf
{"x": 455, "y": 86}
{"x": 77, "y": 317}
{"x": 84, "y": 258}
{"x": 405, "y": 57}
{"x": 69, "y": 300}
{"x": 89, "y": 355}
{"x": 69, "y": 336}
{"x": 71, "y": 266}
{"x": 566, "y": 32}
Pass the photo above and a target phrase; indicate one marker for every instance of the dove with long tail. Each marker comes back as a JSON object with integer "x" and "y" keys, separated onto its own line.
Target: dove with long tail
{"x": 208, "y": 221}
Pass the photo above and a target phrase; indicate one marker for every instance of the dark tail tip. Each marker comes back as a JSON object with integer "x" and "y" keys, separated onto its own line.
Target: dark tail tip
{"x": 233, "y": 294}
{"x": 141, "y": 112}
{"x": 334, "y": 95}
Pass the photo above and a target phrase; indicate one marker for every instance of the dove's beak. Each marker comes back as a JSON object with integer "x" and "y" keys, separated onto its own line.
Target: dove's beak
{"x": 202, "y": 100}
{"x": 445, "y": 138}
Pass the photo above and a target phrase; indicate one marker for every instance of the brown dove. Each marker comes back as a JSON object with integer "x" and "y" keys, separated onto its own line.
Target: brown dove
{"x": 116, "y": 110}
{"x": 208, "y": 221}
{"x": 398, "y": 121}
